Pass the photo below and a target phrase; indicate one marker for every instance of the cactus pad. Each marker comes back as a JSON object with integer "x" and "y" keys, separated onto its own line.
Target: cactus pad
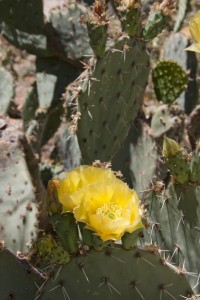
{"x": 111, "y": 94}
{"x": 17, "y": 198}
{"x": 115, "y": 273}
{"x": 6, "y": 90}
{"x": 170, "y": 80}
{"x": 18, "y": 279}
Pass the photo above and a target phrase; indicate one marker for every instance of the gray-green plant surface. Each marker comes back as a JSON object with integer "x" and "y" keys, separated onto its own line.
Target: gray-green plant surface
{"x": 70, "y": 262}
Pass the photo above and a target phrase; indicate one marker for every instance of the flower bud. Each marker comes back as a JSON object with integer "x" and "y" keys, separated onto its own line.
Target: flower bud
{"x": 52, "y": 200}
{"x": 170, "y": 147}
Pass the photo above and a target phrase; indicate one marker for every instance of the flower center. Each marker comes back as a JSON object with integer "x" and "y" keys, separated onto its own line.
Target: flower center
{"x": 113, "y": 211}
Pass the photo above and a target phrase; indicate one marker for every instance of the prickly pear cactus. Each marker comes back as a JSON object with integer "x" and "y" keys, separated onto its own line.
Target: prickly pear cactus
{"x": 175, "y": 207}
{"x": 118, "y": 273}
{"x": 6, "y": 90}
{"x": 18, "y": 208}
{"x": 116, "y": 84}
{"x": 170, "y": 80}
{"x": 20, "y": 280}
{"x": 174, "y": 50}
{"x": 67, "y": 36}
{"x": 167, "y": 120}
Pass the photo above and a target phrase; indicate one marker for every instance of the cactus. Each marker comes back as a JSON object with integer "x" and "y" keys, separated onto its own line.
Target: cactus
{"x": 93, "y": 237}
{"x": 20, "y": 280}
{"x": 69, "y": 151}
{"x": 130, "y": 16}
{"x": 67, "y": 37}
{"x": 56, "y": 37}
{"x": 182, "y": 8}
{"x": 49, "y": 251}
{"x": 97, "y": 25}
{"x": 166, "y": 88}
{"x": 119, "y": 272}
{"x": 18, "y": 201}
{"x": 6, "y": 90}
{"x": 157, "y": 19}
{"x": 175, "y": 208}
{"x": 174, "y": 50}
{"x": 167, "y": 120}
{"x": 101, "y": 138}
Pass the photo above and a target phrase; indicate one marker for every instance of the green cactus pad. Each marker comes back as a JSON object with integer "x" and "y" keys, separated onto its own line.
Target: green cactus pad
{"x": 179, "y": 168}
{"x": 66, "y": 35}
{"x": 170, "y": 80}
{"x": 130, "y": 16}
{"x": 114, "y": 273}
{"x": 173, "y": 49}
{"x": 155, "y": 23}
{"x": 18, "y": 279}
{"x": 18, "y": 209}
{"x": 6, "y": 90}
{"x": 177, "y": 211}
{"x": 111, "y": 94}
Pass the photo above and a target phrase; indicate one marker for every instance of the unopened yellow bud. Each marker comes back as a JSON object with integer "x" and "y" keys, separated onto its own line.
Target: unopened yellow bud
{"x": 52, "y": 201}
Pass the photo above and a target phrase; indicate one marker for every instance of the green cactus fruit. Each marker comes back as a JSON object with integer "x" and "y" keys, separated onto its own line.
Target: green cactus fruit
{"x": 18, "y": 207}
{"x": 157, "y": 19}
{"x": 50, "y": 251}
{"x": 170, "y": 80}
{"x": 18, "y": 279}
{"x": 130, "y": 16}
{"x": 129, "y": 240}
{"x": 92, "y": 240}
{"x": 67, "y": 231}
{"x": 111, "y": 93}
{"x": 87, "y": 235}
{"x": 6, "y": 90}
{"x": 115, "y": 273}
{"x": 97, "y": 25}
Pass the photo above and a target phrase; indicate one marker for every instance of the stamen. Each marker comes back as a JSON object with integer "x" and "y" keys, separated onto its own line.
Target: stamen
{"x": 113, "y": 211}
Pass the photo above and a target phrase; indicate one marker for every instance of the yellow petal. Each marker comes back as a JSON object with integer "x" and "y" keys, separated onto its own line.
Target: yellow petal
{"x": 194, "y": 26}
{"x": 109, "y": 208}
{"x": 194, "y": 47}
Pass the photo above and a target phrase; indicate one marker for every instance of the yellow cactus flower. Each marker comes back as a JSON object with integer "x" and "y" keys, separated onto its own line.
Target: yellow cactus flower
{"x": 194, "y": 26}
{"x": 69, "y": 189}
{"x": 110, "y": 209}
